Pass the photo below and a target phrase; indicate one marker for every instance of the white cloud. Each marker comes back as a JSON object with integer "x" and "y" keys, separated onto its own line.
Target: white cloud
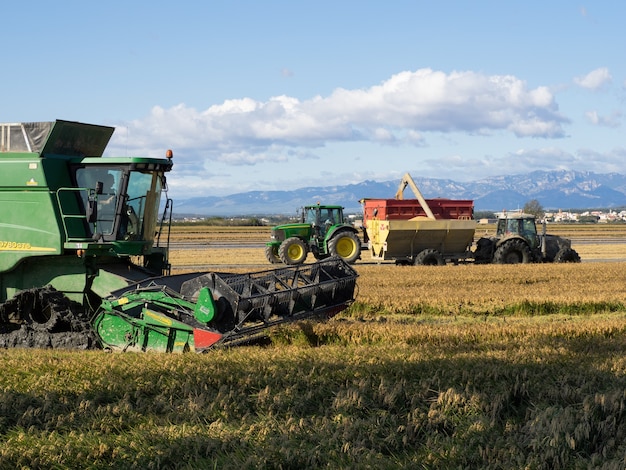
{"x": 551, "y": 158}
{"x": 406, "y": 111}
{"x": 613, "y": 120}
{"x": 595, "y": 79}
{"x": 428, "y": 100}
{"x": 398, "y": 111}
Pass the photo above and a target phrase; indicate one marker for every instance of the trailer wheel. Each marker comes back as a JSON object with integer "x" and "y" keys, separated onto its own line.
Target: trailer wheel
{"x": 346, "y": 245}
{"x": 484, "y": 250}
{"x": 292, "y": 251}
{"x": 567, "y": 255}
{"x": 271, "y": 253}
{"x": 429, "y": 257}
{"x": 512, "y": 252}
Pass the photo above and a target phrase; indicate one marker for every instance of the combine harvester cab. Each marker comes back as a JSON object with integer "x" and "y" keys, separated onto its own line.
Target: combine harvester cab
{"x": 84, "y": 255}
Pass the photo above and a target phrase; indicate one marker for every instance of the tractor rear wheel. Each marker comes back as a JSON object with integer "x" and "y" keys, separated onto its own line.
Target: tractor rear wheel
{"x": 346, "y": 245}
{"x": 567, "y": 255}
{"x": 292, "y": 251}
{"x": 512, "y": 252}
{"x": 271, "y": 253}
{"x": 429, "y": 257}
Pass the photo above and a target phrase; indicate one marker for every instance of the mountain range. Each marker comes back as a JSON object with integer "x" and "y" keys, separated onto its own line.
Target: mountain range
{"x": 562, "y": 189}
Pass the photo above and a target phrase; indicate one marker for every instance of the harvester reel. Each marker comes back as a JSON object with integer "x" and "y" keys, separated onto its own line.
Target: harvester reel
{"x": 293, "y": 251}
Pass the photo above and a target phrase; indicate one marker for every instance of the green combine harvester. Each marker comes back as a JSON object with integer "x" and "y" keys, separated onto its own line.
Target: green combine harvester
{"x": 84, "y": 244}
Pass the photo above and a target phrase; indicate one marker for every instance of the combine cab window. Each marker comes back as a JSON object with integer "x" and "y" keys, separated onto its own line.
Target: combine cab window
{"x": 141, "y": 208}
{"x": 127, "y": 202}
{"x": 108, "y": 179}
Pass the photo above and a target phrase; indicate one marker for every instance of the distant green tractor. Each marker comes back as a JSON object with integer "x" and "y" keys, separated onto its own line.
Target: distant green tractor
{"x": 321, "y": 231}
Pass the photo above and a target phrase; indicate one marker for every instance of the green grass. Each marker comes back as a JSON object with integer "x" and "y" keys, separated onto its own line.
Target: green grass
{"x": 542, "y": 391}
{"x": 521, "y": 308}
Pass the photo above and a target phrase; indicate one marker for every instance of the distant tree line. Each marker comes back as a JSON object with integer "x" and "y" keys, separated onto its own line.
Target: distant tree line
{"x": 222, "y": 222}
{"x": 533, "y": 207}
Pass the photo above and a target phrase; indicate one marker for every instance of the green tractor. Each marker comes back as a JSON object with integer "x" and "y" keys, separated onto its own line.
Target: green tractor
{"x": 321, "y": 231}
{"x": 517, "y": 241}
{"x": 84, "y": 256}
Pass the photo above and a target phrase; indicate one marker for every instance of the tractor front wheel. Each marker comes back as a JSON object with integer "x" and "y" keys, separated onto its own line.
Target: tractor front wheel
{"x": 292, "y": 251}
{"x": 271, "y": 253}
{"x": 346, "y": 245}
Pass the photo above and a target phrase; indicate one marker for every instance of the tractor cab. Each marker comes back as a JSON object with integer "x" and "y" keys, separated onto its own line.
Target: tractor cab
{"x": 522, "y": 225}
{"x": 321, "y": 218}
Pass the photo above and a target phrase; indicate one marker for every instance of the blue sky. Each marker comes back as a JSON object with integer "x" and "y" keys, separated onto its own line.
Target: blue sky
{"x": 282, "y": 94}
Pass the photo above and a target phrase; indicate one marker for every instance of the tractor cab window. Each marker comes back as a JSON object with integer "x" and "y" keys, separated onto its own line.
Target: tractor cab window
{"x": 322, "y": 218}
{"x": 512, "y": 226}
{"x": 331, "y": 216}
{"x": 529, "y": 227}
{"x": 311, "y": 216}
{"x": 508, "y": 227}
{"x": 529, "y": 232}
{"x": 328, "y": 218}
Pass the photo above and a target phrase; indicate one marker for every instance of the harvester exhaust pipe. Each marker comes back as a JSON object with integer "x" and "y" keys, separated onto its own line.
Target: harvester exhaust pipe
{"x": 543, "y": 238}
